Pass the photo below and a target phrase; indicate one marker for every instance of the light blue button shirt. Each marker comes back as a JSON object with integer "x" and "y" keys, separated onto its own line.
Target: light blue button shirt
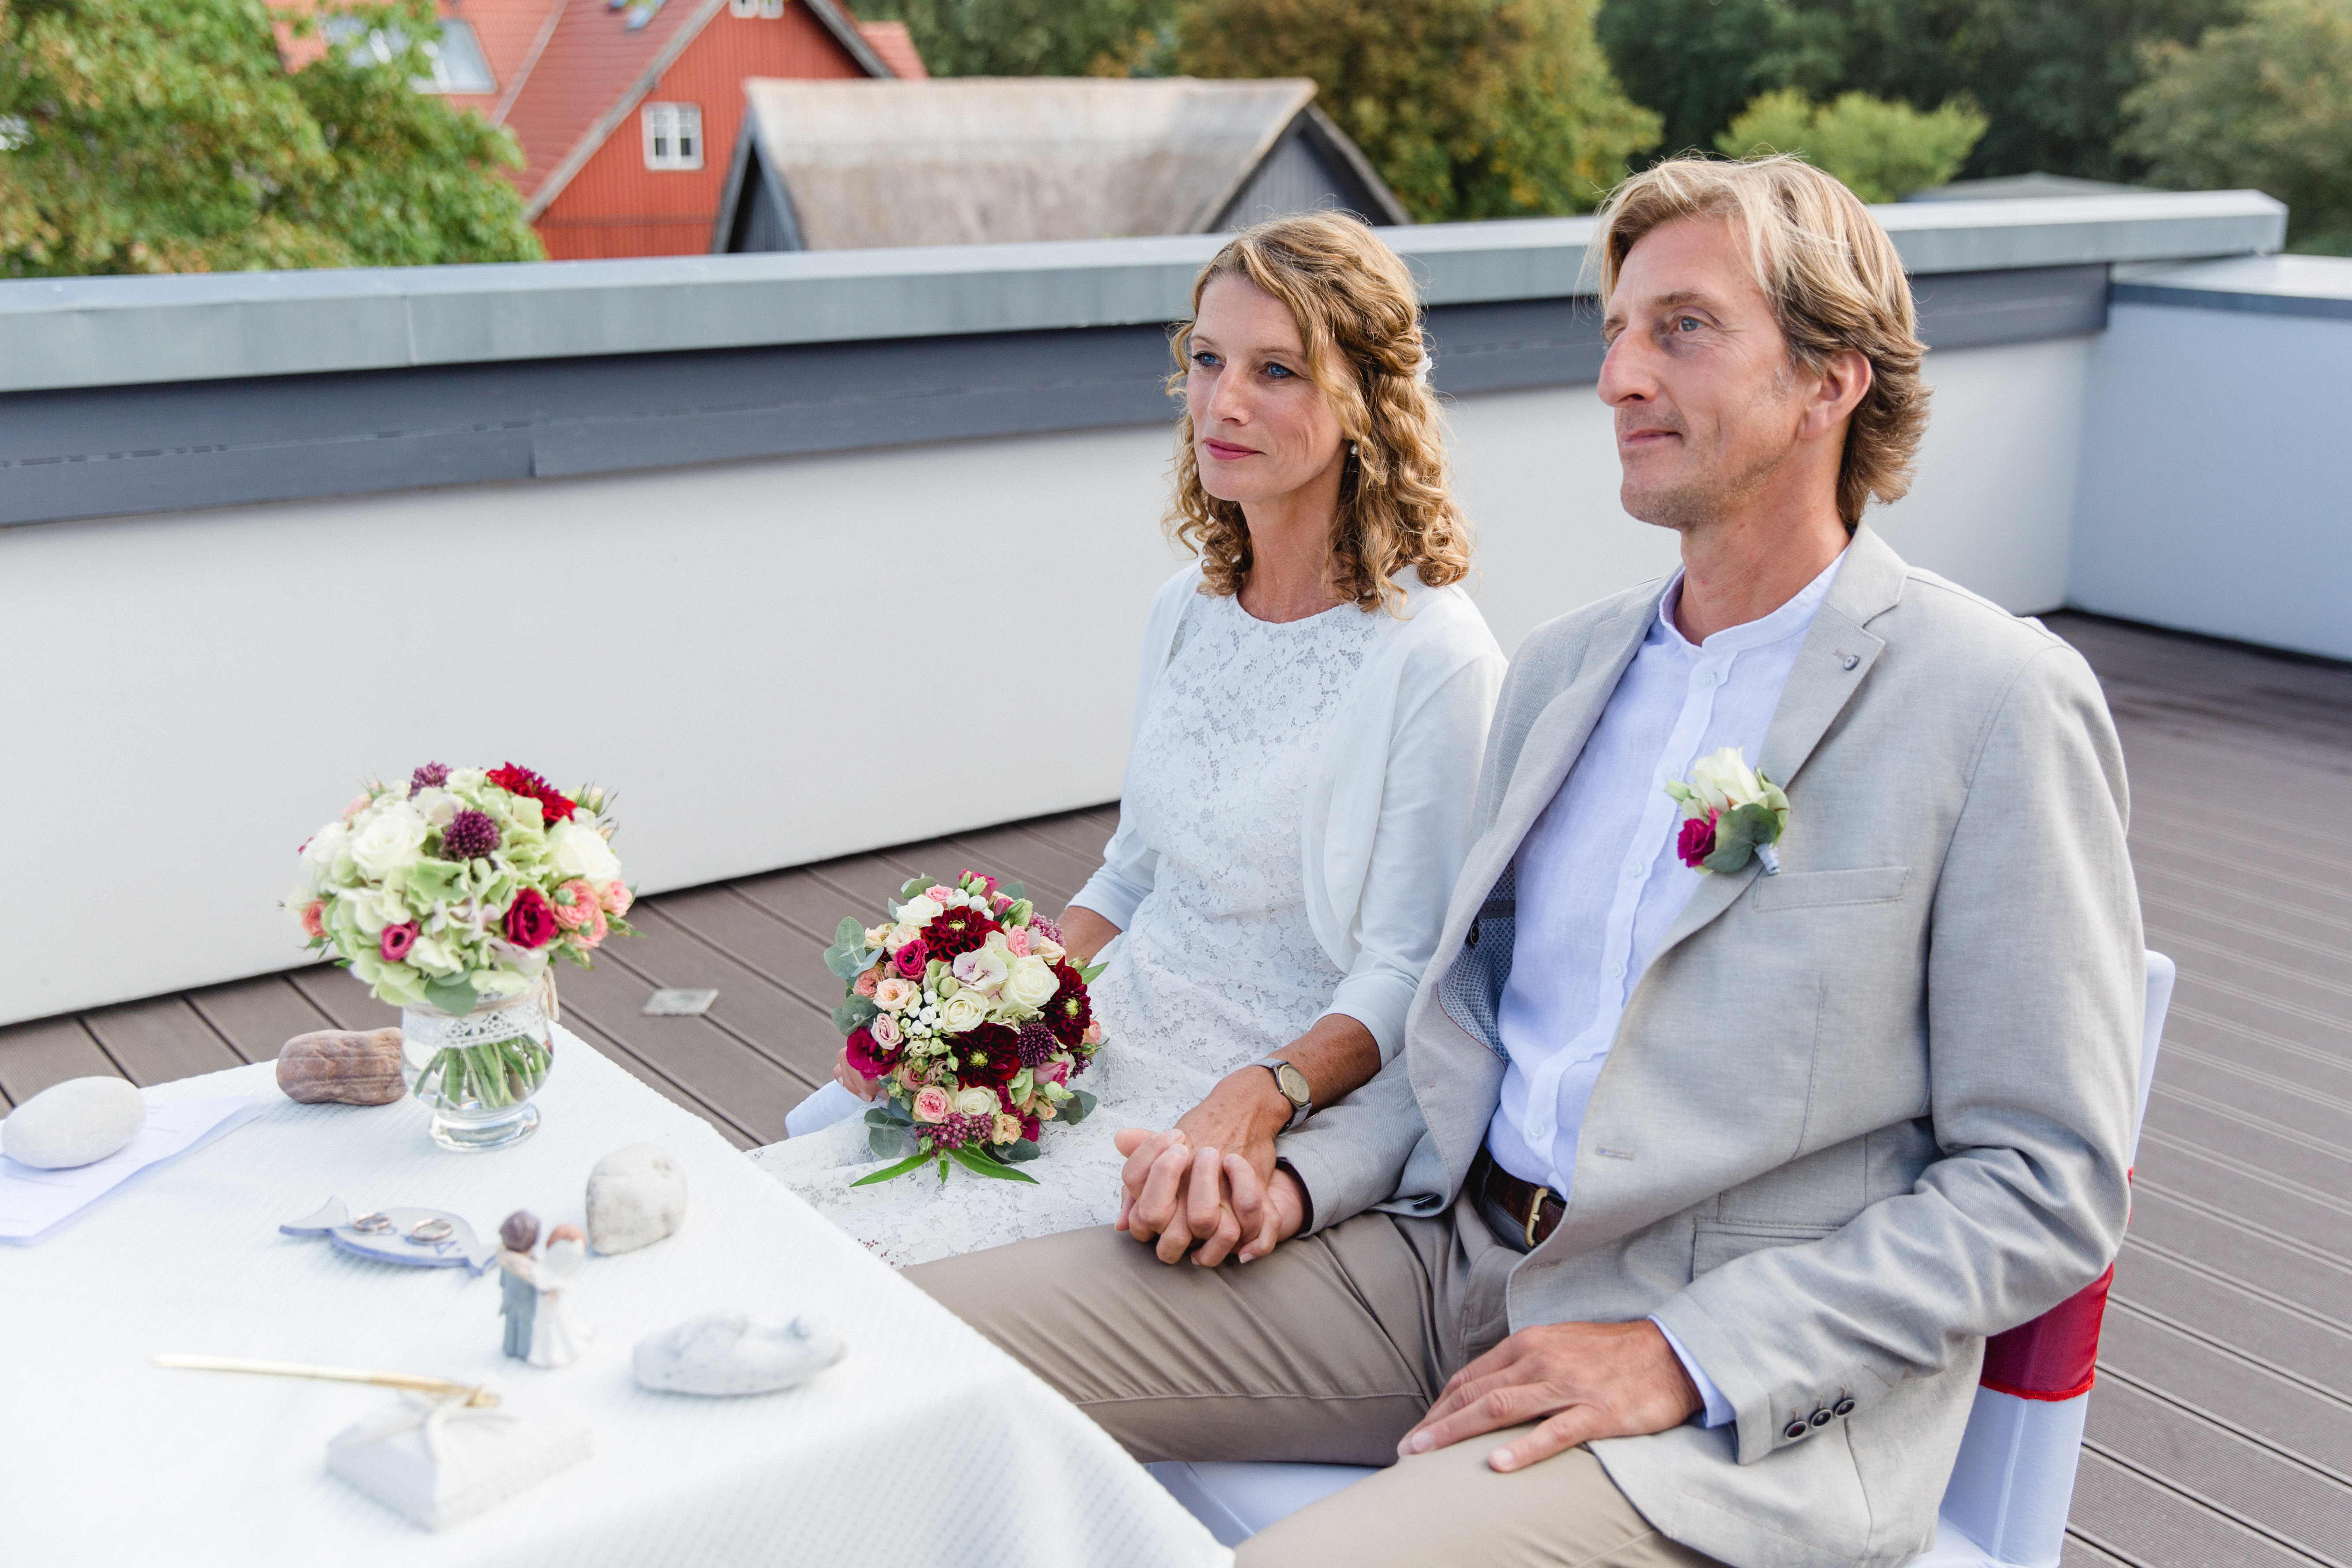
{"x": 1600, "y": 883}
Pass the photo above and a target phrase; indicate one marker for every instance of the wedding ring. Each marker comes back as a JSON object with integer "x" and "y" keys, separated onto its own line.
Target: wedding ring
{"x": 371, "y": 1223}
{"x": 426, "y": 1232}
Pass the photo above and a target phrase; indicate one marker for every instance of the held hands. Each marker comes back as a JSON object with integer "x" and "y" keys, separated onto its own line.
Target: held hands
{"x": 1180, "y": 1200}
{"x": 1594, "y": 1380}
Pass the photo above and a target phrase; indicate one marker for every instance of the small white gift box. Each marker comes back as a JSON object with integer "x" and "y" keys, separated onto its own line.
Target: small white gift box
{"x": 438, "y": 1460}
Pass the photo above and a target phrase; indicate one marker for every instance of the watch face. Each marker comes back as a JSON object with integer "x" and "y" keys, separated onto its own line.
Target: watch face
{"x": 1293, "y": 1084}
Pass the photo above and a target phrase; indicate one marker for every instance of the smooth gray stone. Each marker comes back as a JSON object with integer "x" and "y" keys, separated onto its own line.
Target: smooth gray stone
{"x": 77, "y": 1122}
{"x": 736, "y": 1352}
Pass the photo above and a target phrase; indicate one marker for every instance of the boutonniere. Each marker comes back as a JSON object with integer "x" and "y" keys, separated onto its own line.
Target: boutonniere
{"x": 1729, "y": 811}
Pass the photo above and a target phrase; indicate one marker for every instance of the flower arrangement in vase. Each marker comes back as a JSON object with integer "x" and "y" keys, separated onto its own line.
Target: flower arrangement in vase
{"x": 451, "y": 895}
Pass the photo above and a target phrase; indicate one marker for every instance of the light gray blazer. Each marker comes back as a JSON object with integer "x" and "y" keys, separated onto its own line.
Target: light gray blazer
{"x": 1857, "y": 1116}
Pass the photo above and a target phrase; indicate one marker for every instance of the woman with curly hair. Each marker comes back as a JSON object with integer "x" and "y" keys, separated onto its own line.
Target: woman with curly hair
{"x": 1310, "y": 717}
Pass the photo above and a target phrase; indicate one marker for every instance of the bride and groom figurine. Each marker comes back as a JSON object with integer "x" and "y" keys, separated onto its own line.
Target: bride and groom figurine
{"x": 541, "y": 1328}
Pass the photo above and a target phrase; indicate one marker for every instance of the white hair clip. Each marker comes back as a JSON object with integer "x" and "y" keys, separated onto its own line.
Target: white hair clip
{"x": 1421, "y": 371}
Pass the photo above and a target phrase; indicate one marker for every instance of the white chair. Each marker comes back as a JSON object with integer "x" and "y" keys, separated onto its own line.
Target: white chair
{"x": 2005, "y": 1506}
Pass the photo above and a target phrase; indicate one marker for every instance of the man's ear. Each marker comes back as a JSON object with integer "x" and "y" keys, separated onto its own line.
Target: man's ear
{"x": 1844, "y": 382}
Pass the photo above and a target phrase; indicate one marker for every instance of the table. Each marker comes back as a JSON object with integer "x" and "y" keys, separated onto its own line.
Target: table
{"x": 926, "y": 1444}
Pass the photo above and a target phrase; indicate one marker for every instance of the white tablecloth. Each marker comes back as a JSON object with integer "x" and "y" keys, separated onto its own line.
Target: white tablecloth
{"x": 925, "y": 1445}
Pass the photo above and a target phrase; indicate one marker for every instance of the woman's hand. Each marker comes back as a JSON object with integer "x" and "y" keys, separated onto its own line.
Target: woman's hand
{"x": 1203, "y": 1203}
{"x": 866, "y": 1088}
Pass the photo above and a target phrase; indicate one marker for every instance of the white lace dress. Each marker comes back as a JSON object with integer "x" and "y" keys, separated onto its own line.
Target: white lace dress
{"x": 1218, "y": 966}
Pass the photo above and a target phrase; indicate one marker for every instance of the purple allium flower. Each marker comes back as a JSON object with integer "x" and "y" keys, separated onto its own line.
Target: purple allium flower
{"x": 1037, "y": 1043}
{"x": 431, "y": 776}
{"x": 469, "y": 836}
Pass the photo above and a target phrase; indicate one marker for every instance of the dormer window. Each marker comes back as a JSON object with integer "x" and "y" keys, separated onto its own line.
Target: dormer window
{"x": 672, "y": 135}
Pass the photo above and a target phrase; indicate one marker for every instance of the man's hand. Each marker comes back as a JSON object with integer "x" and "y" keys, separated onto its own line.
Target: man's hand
{"x": 1201, "y": 1201}
{"x": 866, "y": 1088}
{"x": 1594, "y": 1380}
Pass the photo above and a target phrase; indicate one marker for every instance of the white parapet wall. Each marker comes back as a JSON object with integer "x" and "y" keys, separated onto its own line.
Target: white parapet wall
{"x": 773, "y": 658}
{"x": 2217, "y": 487}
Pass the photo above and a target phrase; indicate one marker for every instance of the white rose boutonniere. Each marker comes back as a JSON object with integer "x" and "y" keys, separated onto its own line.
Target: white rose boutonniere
{"x": 1730, "y": 812}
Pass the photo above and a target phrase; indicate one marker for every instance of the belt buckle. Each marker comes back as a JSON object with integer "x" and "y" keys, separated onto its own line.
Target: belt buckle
{"x": 1535, "y": 1213}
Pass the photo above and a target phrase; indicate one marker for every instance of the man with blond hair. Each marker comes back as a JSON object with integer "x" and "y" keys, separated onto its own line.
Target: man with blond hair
{"x": 1723, "y": 1132}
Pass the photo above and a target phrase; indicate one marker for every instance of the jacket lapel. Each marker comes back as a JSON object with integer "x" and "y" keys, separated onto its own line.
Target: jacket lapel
{"x": 1838, "y": 652}
{"x": 1557, "y": 737}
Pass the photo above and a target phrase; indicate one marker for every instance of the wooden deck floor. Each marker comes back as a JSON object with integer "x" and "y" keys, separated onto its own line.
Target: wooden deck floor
{"x": 2221, "y": 1432}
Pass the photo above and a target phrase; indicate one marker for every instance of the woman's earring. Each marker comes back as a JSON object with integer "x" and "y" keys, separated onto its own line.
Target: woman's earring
{"x": 1351, "y": 448}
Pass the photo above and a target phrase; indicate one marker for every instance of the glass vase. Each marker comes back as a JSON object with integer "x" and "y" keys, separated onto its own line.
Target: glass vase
{"x": 477, "y": 1071}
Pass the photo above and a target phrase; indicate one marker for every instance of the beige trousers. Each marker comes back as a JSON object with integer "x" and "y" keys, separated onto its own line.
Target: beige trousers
{"x": 1326, "y": 1351}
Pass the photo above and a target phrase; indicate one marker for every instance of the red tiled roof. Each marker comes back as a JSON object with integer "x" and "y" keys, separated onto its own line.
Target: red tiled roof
{"x": 568, "y": 70}
{"x": 896, "y": 46}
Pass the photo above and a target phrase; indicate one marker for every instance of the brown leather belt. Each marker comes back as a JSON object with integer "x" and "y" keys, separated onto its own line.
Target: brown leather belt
{"x": 1522, "y": 1215}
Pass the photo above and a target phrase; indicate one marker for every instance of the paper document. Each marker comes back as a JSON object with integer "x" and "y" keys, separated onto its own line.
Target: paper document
{"x": 34, "y": 1202}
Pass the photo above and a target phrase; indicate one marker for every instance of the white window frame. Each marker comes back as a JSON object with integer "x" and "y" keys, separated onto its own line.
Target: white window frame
{"x": 672, "y": 134}
{"x": 771, "y": 9}
{"x": 742, "y": 7}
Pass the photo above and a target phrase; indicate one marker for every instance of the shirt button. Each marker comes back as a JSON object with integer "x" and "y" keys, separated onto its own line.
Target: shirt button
{"x": 1616, "y": 971}
{"x": 1821, "y": 1418}
{"x": 1632, "y": 867}
{"x": 1794, "y": 1430}
{"x": 1843, "y": 1407}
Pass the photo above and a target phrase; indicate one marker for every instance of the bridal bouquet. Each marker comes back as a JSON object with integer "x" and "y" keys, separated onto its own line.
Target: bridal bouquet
{"x": 966, "y": 1007}
{"x": 455, "y": 889}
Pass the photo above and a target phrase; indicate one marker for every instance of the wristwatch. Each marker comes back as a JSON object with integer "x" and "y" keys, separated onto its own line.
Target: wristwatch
{"x": 1293, "y": 1085}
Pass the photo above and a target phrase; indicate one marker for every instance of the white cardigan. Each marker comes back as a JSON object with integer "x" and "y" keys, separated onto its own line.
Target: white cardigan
{"x": 1386, "y": 825}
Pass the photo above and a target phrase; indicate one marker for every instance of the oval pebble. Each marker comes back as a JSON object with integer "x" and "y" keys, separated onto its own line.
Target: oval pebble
{"x": 74, "y": 1123}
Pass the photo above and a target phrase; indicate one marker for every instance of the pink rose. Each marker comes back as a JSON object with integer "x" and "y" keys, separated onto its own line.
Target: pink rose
{"x": 1016, "y": 942}
{"x": 867, "y": 981}
{"x": 892, "y": 994}
{"x": 1697, "y": 840}
{"x": 933, "y": 1104}
{"x": 1053, "y": 1072}
{"x": 938, "y": 895}
{"x": 314, "y": 918}
{"x": 397, "y": 941}
{"x": 575, "y": 906}
{"x": 359, "y": 804}
{"x": 594, "y": 936}
{"x": 1093, "y": 1037}
{"x": 885, "y": 1031}
{"x": 616, "y": 897}
{"x": 911, "y": 958}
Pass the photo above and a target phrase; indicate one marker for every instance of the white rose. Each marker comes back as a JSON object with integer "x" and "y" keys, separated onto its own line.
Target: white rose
{"x": 320, "y": 853}
{"x": 580, "y": 850}
{"x": 1725, "y": 780}
{"x": 962, "y": 1010}
{"x": 977, "y": 1102}
{"x": 918, "y": 910}
{"x": 900, "y": 935}
{"x": 1031, "y": 983}
{"x": 391, "y": 840}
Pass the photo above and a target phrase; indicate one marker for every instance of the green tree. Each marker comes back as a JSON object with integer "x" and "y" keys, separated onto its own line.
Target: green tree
{"x": 167, "y": 136}
{"x": 1031, "y": 37}
{"x": 1882, "y": 150}
{"x": 2049, "y": 78}
{"x": 1469, "y": 109}
{"x": 2265, "y": 103}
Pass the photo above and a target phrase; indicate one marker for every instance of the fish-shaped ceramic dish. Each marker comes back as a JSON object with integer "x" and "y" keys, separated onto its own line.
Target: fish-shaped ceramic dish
{"x": 414, "y": 1239}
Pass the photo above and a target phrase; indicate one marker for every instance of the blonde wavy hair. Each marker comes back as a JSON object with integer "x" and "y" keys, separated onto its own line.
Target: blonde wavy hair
{"x": 1834, "y": 279}
{"x": 1359, "y": 315}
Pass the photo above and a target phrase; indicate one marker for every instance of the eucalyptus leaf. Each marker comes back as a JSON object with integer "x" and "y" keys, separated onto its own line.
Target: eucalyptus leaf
{"x": 888, "y": 1142}
{"x": 452, "y": 996}
{"x": 914, "y": 886}
{"x": 890, "y": 1172}
{"x": 853, "y": 1013}
{"x": 1729, "y": 858}
{"x": 1020, "y": 1152}
{"x": 1078, "y": 1108}
{"x": 1012, "y": 890}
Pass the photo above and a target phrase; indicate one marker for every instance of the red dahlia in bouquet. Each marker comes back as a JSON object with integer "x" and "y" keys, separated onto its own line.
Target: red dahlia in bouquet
{"x": 964, "y": 1004}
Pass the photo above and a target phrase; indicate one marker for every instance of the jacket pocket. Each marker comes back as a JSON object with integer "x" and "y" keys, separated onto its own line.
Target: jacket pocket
{"x": 1718, "y": 1242}
{"x": 1810, "y": 889}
